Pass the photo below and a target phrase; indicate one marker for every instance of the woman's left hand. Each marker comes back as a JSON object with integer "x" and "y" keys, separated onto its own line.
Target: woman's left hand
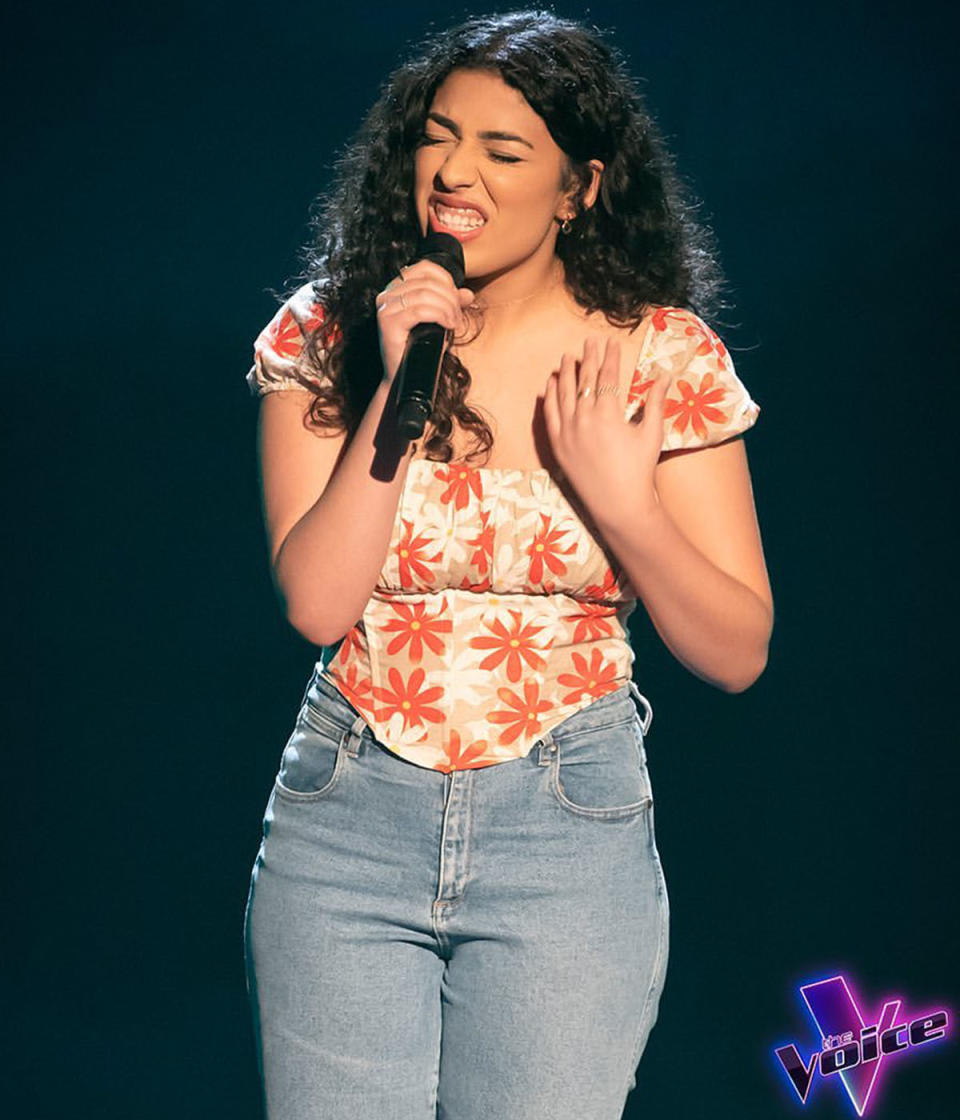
{"x": 609, "y": 460}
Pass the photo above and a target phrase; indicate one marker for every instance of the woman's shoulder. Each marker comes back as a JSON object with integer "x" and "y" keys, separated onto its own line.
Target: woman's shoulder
{"x": 706, "y": 400}
{"x": 296, "y": 317}
{"x": 279, "y": 358}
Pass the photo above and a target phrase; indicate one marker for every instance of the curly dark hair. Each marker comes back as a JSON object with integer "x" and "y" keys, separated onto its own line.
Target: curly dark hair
{"x": 639, "y": 246}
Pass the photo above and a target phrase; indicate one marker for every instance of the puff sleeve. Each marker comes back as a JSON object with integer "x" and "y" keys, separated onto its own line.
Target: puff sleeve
{"x": 278, "y": 359}
{"x": 706, "y": 401}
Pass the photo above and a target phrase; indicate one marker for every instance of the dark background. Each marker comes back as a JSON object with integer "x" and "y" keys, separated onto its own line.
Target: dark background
{"x": 160, "y": 166}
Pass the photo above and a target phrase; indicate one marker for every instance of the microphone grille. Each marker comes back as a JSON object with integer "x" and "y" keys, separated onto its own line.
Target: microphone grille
{"x": 445, "y": 250}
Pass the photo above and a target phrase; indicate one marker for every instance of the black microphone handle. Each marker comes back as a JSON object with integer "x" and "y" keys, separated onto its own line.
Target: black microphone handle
{"x": 419, "y": 370}
{"x": 418, "y": 377}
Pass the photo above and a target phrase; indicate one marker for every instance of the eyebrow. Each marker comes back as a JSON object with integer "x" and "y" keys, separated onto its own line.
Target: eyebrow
{"x": 488, "y": 135}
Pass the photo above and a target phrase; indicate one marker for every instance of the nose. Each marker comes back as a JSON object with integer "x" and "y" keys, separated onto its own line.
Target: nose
{"x": 459, "y": 169}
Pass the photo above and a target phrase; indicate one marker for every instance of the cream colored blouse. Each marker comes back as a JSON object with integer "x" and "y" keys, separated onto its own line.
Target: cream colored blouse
{"x": 498, "y": 612}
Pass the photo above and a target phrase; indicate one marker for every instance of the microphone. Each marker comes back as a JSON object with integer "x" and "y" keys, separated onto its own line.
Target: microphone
{"x": 419, "y": 370}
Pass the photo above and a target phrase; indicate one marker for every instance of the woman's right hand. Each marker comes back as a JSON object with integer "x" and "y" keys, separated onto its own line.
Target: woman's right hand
{"x": 429, "y": 295}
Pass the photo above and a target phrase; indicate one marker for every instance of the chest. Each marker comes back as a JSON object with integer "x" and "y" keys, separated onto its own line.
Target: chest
{"x": 513, "y": 409}
{"x": 507, "y": 389}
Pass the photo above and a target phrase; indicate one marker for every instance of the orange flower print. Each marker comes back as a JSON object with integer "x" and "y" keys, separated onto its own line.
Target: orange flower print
{"x": 710, "y": 343}
{"x": 661, "y": 316}
{"x": 415, "y": 627}
{"x": 637, "y": 391}
{"x": 591, "y": 621}
{"x": 354, "y": 642}
{"x": 515, "y": 644}
{"x": 522, "y": 717}
{"x": 462, "y": 480}
{"x": 412, "y": 561}
{"x": 482, "y": 543}
{"x": 546, "y": 550}
{"x": 284, "y": 336}
{"x": 467, "y": 584}
{"x": 696, "y": 405}
{"x": 410, "y": 699}
{"x": 597, "y": 679}
{"x": 608, "y": 589}
{"x": 464, "y": 758}
{"x": 359, "y": 691}
{"x": 315, "y": 318}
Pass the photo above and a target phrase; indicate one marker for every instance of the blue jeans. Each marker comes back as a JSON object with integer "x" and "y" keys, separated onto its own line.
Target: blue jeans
{"x": 479, "y": 945}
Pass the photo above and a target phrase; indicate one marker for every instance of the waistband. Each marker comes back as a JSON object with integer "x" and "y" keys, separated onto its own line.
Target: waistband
{"x": 347, "y": 716}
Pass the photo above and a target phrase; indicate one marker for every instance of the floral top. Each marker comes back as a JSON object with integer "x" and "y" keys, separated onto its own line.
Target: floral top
{"x": 498, "y": 611}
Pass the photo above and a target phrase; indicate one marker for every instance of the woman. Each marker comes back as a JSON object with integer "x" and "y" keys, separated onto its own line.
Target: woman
{"x": 458, "y": 907}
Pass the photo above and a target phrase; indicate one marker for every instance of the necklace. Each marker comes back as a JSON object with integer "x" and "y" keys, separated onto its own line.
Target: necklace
{"x": 519, "y": 299}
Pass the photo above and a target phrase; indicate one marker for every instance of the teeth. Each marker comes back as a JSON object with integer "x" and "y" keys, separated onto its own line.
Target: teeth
{"x": 457, "y": 217}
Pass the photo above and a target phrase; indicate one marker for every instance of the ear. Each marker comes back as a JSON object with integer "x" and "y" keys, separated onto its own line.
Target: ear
{"x": 589, "y": 194}
{"x": 596, "y": 173}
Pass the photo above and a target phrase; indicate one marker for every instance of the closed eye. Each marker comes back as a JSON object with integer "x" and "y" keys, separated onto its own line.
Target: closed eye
{"x": 497, "y": 156}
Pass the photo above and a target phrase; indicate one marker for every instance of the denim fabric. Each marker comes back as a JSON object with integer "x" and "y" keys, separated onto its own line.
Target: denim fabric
{"x": 477, "y": 945}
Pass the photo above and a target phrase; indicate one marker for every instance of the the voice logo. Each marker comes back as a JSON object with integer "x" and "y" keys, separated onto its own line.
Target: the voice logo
{"x": 854, "y": 1048}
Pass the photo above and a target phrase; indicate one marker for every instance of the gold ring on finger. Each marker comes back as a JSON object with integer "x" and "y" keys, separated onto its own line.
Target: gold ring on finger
{"x": 607, "y": 388}
{"x": 403, "y": 302}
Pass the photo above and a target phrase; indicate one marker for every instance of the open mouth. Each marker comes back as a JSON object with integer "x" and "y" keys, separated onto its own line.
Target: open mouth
{"x": 456, "y": 219}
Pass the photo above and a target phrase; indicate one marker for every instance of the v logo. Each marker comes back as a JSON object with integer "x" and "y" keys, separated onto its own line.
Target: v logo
{"x": 852, "y": 1048}
{"x": 835, "y": 1012}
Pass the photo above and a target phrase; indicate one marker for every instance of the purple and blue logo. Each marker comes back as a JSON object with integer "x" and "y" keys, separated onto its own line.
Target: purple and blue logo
{"x": 855, "y": 1048}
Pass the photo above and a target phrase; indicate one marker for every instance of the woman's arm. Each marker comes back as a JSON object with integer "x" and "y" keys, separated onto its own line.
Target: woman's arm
{"x": 329, "y": 503}
{"x": 696, "y": 561}
{"x": 329, "y": 514}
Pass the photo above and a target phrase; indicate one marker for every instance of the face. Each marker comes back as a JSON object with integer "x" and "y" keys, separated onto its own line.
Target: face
{"x": 504, "y": 190}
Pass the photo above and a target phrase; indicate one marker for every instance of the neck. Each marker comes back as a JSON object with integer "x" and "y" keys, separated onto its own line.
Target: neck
{"x": 511, "y": 294}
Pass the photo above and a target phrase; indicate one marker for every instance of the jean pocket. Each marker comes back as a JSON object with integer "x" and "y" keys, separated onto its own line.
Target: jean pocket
{"x": 603, "y": 772}
{"x": 313, "y": 758}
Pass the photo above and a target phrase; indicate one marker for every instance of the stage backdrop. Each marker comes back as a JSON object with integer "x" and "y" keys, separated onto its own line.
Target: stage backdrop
{"x": 162, "y": 162}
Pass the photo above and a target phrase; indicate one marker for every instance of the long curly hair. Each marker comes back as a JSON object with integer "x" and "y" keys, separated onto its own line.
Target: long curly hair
{"x": 640, "y": 245}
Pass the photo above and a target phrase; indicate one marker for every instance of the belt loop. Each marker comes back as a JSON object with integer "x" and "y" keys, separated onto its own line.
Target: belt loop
{"x": 353, "y": 736}
{"x": 647, "y": 719}
{"x": 548, "y": 748}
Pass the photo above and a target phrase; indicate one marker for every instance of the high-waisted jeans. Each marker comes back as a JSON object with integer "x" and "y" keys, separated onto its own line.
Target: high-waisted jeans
{"x": 486, "y": 944}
